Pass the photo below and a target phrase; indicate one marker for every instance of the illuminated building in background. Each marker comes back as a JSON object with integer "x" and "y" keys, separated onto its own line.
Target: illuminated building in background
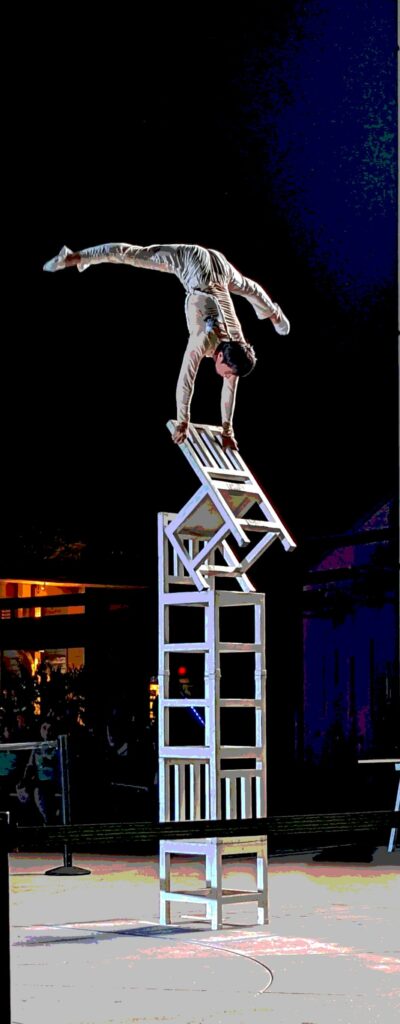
{"x": 153, "y": 694}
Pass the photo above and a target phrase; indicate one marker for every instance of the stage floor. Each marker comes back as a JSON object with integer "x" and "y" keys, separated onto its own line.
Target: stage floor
{"x": 89, "y": 949}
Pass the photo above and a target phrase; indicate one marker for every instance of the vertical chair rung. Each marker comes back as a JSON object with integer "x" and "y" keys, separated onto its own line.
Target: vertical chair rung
{"x": 195, "y": 791}
{"x": 231, "y": 798}
{"x": 179, "y": 793}
{"x": 207, "y": 790}
{"x": 246, "y": 801}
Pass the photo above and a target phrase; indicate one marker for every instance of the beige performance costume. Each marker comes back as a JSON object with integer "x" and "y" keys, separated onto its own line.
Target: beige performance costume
{"x": 209, "y": 281}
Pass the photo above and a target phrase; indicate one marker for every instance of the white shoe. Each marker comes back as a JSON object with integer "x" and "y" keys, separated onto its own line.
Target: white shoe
{"x": 283, "y": 325}
{"x": 58, "y": 263}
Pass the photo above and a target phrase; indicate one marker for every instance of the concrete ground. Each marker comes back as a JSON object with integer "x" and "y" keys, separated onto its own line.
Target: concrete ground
{"x": 89, "y": 949}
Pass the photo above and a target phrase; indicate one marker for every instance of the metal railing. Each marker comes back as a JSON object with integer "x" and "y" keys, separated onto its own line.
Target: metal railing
{"x": 61, "y": 744}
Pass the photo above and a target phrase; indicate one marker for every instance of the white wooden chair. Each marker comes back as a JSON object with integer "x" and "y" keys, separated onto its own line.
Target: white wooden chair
{"x": 221, "y": 506}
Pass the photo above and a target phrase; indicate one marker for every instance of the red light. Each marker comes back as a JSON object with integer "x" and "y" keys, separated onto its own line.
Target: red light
{"x": 182, "y": 670}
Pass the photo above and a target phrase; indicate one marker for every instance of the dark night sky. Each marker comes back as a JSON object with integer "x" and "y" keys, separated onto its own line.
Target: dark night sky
{"x": 270, "y": 137}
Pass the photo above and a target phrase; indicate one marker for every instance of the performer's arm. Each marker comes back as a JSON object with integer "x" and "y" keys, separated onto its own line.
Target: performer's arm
{"x": 185, "y": 386}
{"x": 228, "y": 399}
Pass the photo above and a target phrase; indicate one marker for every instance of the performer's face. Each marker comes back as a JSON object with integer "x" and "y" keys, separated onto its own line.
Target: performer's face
{"x": 222, "y": 368}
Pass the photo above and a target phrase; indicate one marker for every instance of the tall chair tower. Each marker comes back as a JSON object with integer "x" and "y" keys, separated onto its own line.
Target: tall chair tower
{"x": 221, "y": 775}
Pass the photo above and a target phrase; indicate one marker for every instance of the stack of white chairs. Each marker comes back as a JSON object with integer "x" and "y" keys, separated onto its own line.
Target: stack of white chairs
{"x": 216, "y": 779}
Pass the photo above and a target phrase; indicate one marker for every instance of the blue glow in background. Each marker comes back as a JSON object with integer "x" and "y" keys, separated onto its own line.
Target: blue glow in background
{"x": 319, "y": 98}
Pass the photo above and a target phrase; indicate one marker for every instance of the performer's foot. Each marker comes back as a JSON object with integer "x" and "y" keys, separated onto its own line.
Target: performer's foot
{"x": 58, "y": 263}
{"x": 280, "y": 321}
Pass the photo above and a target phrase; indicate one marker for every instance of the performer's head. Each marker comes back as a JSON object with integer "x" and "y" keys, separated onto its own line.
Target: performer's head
{"x": 233, "y": 359}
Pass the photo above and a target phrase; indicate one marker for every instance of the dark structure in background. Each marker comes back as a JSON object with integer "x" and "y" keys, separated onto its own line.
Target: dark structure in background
{"x": 64, "y": 623}
{"x": 351, "y": 680}
{"x": 73, "y": 653}
{"x": 332, "y": 658}
{"x": 351, "y": 685}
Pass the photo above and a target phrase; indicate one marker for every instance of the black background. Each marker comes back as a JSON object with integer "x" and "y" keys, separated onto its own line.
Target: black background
{"x": 136, "y": 130}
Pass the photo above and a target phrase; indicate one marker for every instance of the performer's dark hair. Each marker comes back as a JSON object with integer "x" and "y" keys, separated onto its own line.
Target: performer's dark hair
{"x": 241, "y": 358}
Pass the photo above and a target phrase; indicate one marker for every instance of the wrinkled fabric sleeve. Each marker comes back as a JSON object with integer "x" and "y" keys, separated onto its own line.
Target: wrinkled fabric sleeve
{"x": 184, "y": 390}
{"x": 228, "y": 399}
{"x": 250, "y": 290}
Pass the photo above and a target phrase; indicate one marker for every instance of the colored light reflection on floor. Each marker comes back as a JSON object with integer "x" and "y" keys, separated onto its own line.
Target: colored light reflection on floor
{"x": 251, "y": 944}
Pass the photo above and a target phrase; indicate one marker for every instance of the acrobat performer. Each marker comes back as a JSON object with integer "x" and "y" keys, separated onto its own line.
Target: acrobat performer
{"x": 214, "y": 329}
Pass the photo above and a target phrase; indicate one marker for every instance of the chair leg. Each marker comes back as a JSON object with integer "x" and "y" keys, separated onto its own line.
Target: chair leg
{"x": 215, "y": 871}
{"x": 262, "y": 884}
{"x": 394, "y": 831}
{"x": 165, "y": 885}
{"x": 165, "y": 909}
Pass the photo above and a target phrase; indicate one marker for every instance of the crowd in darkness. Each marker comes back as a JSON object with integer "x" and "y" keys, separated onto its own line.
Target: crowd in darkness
{"x": 112, "y": 749}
